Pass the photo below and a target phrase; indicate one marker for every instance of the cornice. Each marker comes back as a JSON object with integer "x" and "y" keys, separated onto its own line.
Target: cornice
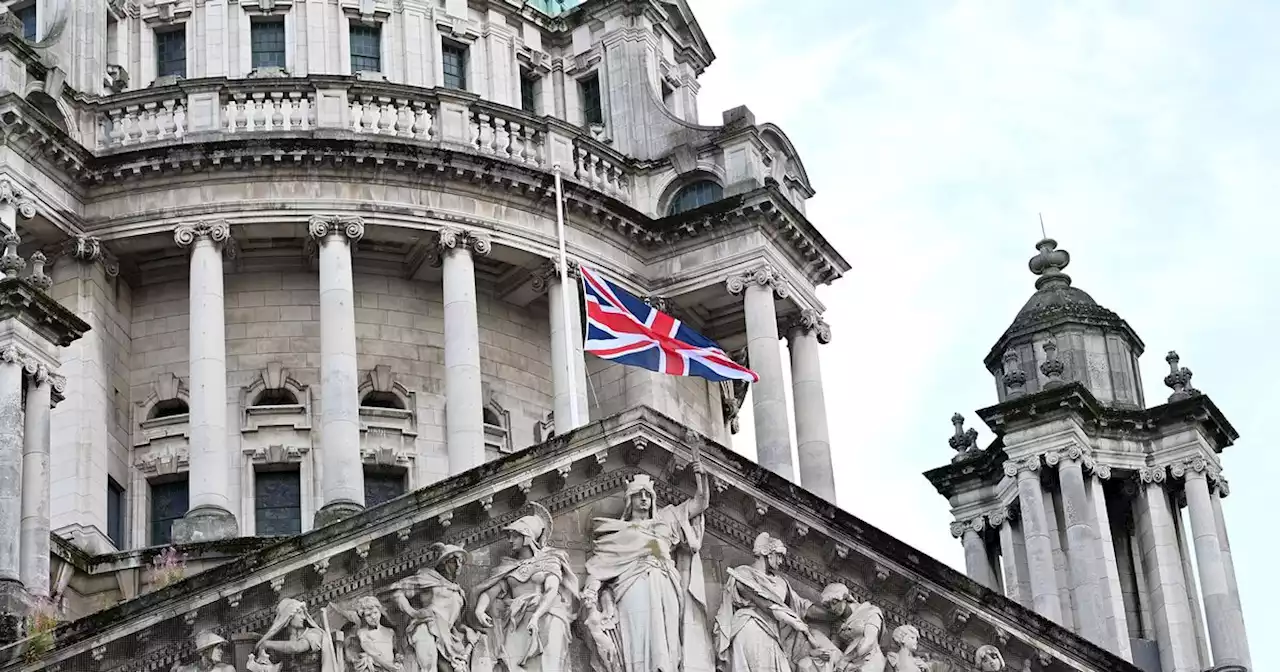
{"x": 21, "y": 300}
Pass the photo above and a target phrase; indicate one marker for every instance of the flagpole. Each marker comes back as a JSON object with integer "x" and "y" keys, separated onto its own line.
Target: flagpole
{"x": 565, "y": 303}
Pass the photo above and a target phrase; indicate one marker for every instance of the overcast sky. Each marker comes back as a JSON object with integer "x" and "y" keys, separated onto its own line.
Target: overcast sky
{"x": 934, "y": 132}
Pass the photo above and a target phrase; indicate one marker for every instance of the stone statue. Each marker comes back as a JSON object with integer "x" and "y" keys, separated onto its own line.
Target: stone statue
{"x": 850, "y": 628}
{"x": 905, "y": 659}
{"x": 759, "y": 627}
{"x": 438, "y": 639}
{"x": 541, "y": 591}
{"x": 646, "y": 595}
{"x": 211, "y": 654}
{"x": 307, "y": 646}
{"x": 989, "y": 658}
{"x": 369, "y": 645}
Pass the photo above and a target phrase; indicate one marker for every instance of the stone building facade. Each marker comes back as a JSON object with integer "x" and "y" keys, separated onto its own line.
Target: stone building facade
{"x": 288, "y": 346}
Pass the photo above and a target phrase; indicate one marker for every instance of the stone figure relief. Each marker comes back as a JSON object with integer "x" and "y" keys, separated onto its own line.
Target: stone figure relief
{"x": 760, "y": 626}
{"x": 989, "y": 658}
{"x": 844, "y": 634}
{"x": 210, "y": 656}
{"x": 645, "y": 596}
{"x": 369, "y": 644}
{"x": 435, "y": 605}
{"x": 906, "y": 658}
{"x": 541, "y": 594}
{"x": 296, "y": 639}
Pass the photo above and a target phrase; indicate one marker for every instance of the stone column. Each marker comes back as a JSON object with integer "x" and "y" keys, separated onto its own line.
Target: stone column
{"x": 977, "y": 563}
{"x": 1017, "y": 584}
{"x": 1219, "y": 615}
{"x": 813, "y": 443}
{"x": 34, "y": 565}
{"x": 1035, "y": 532}
{"x": 1232, "y": 587}
{"x": 464, "y": 402}
{"x": 1162, "y": 565}
{"x": 210, "y": 515}
{"x": 768, "y": 396}
{"x": 1082, "y": 550}
{"x": 342, "y": 471}
{"x": 567, "y": 359}
{"x": 1113, "y": 607}
{"x": 11, "y": 364}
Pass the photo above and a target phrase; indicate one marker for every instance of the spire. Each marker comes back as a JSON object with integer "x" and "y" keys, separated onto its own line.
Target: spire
{"x": 1179, "y": 379}
{"x": 1048, "y": 264}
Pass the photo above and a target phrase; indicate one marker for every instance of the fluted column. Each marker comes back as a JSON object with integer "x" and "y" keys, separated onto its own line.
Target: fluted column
{"x": 1233, "y": 588}
{"x": 1215, "y": 594}
{"x": 34, "y": 563}
{"x": 567, "y": 360}
{"x": 768, "y": 396}
{"x": 11, "y": 363}
{"x": 1035, "y": 532}
{"x": 1082, "y": 550}
{"x": 342, "y": 472}
{"x": 977, "y": 562}
{"x": 1166, "y": 586}
{"x": 813, "y": 442}
{"x": 464, "y": 403}
{"x": 209, "y": 514}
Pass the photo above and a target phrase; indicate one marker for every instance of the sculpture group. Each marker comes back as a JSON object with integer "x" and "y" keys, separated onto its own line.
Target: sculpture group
{"x": 641, "y": 606}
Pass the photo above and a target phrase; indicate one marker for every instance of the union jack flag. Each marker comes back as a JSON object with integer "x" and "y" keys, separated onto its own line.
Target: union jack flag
{"x": 626, "y": 330}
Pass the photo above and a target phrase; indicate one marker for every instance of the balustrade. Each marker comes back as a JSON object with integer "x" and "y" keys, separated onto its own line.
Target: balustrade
{"x": 506, "y": 134}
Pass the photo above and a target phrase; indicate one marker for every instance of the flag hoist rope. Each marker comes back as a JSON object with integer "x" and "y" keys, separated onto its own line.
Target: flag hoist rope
{"x": 574, "y": 420}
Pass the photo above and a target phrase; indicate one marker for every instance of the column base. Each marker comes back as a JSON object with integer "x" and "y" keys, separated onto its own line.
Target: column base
{"x": 335, "y": 511}
{"x": 15, "y": 604}
{"x": 205, "y": 523}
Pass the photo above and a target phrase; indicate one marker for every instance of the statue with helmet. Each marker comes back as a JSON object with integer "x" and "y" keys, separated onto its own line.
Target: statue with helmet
{"x": 435, "y": 604}
{"x": 210, "y": 655}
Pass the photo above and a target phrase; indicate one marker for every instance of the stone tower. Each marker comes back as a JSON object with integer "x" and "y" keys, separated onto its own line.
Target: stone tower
{"x": 1089, "y": 504}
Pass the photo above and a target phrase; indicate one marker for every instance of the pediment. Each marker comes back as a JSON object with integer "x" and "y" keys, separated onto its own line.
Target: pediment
{"x": 576, "y": 478}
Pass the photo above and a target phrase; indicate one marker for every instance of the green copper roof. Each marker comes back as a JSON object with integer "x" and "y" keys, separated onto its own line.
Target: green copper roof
{"x": 554, "y": 7}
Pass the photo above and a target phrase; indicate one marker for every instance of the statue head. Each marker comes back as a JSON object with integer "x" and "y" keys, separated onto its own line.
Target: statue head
{"x": 836, "y": 598}
{"x": 640, "y": 497}
{"x": 907, "y": 636}
{"x": 989, "y": 658}
{"x": 370, "y": 610}
{"x": 293, "y": 612}
{"x": 526, "y": 532}
{"x": 772, "y": 550}
{"x": 449, "y": 559}
{"x": 210, "y": 648}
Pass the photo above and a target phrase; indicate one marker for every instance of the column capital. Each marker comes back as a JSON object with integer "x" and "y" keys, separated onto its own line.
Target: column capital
{"x": 1070, "y": 455}
{"x": 1014, "y": 467}
{"x": 549, "y": 271}
{"x": 809, "y": 321}
{"x": 1195, "y": 467}
{"x": 975, "y": 524}
{"x": 86, "y": 250}
{"x": 762, "y": 276}
{"x": 186, "y": 235}
{"x": 17, "y": 197}
{"x": 1151, "y": 475}
{"x": 320, "y": 227}
{"x": 453, "y": 238}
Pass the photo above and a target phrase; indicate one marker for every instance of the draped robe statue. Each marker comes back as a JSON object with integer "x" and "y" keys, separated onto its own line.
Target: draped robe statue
{"x": 760, "y": 627}
{"x": 645, "y": 595}
{"x": 440, "y": 642}
{"x": 306, "y": 647}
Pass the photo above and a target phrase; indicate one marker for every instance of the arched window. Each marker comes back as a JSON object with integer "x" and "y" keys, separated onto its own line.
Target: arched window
{"x": 168, "y": 408}
{"x": 376, "y": 399}
{"x": 276, "y": 397}
{"x": 491, "y": 418}
{"x": 695, "y": 195}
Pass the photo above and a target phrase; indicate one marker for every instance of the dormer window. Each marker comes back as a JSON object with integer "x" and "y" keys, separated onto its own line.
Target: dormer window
{"x": 589, "y": 93}
{"x": 168, "y": 408}
{"x": 695, "y": 195}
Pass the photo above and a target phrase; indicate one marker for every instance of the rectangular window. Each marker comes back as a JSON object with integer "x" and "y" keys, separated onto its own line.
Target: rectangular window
{"x": 171, "y": 53}
{"x": 528, "y": 92}
{"x": 168, "y": 503}
{"x": 382, "y": 486}
{"x": 589, "y": 91}
{"x": 29, "y": 18}
{"x": 455, "y": 65}
{"x": 267, "y": 41}
{"x": 366, "y": 48}
{"x": 115, "y": 513}
{"x": 277, "y": 503}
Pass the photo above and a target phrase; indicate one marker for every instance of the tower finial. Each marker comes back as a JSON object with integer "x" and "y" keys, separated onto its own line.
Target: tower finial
{"x": 1052, "y": 367}
{"x": 963, "y": 442}
{"x": 1179, "y": 379}
{"x": 1048, "y": 264}
{"x": 1014, "y": 377}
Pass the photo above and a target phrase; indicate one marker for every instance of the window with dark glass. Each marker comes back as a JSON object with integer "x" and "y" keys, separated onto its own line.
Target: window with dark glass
{"x": 266, "y": 39}
{"x": 455, "y": 65}
{"x": 277, "y": 501}
{"x": 366, "y": 48}
{"x": 29, "y": 18}
{"x": 167, "y": 409}
{"x": 168, "y": 503}
{"x": 115, "y": 513}
{"x": 695, "y": 195}
{"x": 280, "y": 397}
{"x": 171, "y": 53}
{"x": 589, "y": 92}
{"x": 382, "y": 486}
{"x": 376, "y": 399}
{"x": 528, "y": 92}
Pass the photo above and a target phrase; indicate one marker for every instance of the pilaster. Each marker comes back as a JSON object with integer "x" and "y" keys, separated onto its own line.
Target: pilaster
{"x": 768, "y": 397}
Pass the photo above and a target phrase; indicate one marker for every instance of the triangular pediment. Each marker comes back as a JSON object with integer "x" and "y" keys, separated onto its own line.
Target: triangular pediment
{"x": 576, "y": 478}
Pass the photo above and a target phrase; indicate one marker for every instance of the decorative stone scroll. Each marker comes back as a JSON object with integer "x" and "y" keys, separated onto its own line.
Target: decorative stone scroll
{"x": 810, "y": 321}
{"x": 16, "y": 196}
{"x": 86, "y": 250}
{"x": 321, "y": 226}
{"x": 549, "y": 271}
{"x": 763, "y": 276}
{"x": 453, "y": 238}
{"x": 217, "y": 231}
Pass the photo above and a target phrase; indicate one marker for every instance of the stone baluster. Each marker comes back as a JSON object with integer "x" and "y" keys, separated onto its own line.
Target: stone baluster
{"x": 34, "y": 564}
{"x": 1233, "y": 589}
{"x": 1035, "y": 533}
{"x": 813, "y": 442}
{"x": 977, "y": 562}
{"x": 768, "y": 396}
{"x": 11, "y": 448}
{"x": 1162, "y": 565}
{"x": 1215, "y": 593}
{"x": 464, "y": 403}
{"x": 566, "y": 348}
{"x": 209, "y": 515}
{"x": 1082, "y": 540}
{"x": 342, "y": 471}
